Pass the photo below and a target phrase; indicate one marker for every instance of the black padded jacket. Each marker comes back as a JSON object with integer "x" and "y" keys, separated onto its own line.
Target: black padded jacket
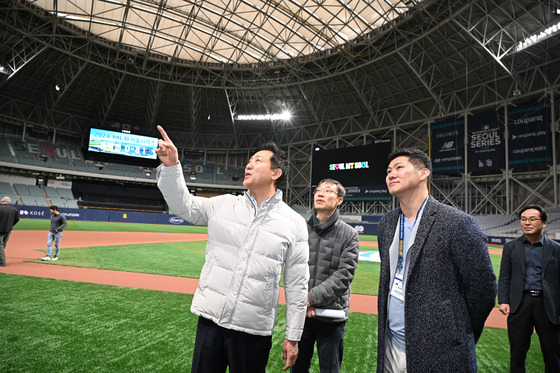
{"x": 333, "y": 257}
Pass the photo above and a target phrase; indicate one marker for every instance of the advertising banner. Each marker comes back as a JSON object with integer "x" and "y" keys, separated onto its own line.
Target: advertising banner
{"x": 448, "y": 148}
{"x": 42, "y": 212}
{"x": 486, "y": 142}
{"x": 530, "y": 139}
{"x": 361, "y": 169}
{"x": 367, "y": 193}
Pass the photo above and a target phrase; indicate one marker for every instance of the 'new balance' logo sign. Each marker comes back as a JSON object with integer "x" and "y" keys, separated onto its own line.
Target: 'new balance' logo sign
{"x": 448, "y": 145}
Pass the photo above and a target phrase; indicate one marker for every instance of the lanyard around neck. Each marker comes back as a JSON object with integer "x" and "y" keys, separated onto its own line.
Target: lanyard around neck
{"x": 401, "y": 236}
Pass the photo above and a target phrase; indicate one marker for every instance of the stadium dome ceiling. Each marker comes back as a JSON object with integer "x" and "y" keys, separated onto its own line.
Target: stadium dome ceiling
{"x": 226, "y": 32}
{"x": 341, "y": 68}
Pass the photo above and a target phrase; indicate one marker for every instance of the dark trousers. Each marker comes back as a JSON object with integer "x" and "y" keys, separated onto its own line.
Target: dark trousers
{"x": 3, "y": 242}
{"x": 330, "y": 346}
{"x": 216, "y": 347}
{"x": 532, "y": 313}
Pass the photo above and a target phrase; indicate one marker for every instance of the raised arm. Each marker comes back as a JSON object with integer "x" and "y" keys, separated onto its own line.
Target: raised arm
{"x": 166, "y": 151}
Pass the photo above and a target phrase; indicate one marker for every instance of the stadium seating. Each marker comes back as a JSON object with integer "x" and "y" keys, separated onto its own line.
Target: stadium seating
{"x": 6, "y": 190}
{"x": 21, "y": 189}
{"x": 5, "y": 153}
{"x": 119, "y": 195}
{"x": 61, "y": 197}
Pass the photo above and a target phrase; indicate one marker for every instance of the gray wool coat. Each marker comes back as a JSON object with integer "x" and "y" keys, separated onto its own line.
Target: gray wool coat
{"x": 450, "y": 289}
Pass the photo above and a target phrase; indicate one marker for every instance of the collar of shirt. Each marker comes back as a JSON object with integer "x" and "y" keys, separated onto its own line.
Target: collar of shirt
{"x": 254, "y": 201}
{"x": 541, "y": 240}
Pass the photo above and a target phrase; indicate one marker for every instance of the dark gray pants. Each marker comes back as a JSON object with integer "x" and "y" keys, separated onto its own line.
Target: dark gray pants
{"x": 3, "y": 242}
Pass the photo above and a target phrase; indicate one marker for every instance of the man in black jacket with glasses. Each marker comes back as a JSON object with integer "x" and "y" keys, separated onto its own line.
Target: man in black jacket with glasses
{"x": 333, "y": 257}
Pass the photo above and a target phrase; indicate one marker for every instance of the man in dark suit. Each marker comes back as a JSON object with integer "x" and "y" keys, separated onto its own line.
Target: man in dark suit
{"x": 9, "y": 216}
{"x": 529, "y": 291}
{"x": 437, "y": 285}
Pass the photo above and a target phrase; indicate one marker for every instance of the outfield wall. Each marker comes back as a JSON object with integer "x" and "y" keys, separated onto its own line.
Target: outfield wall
{"x": 115, "y": 216}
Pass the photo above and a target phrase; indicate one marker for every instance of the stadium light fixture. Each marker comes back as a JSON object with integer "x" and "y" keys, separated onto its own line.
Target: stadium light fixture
{"x": 539, "y": 36}
{"x": 285, "y": 115}
{"x": 516, "y": 91}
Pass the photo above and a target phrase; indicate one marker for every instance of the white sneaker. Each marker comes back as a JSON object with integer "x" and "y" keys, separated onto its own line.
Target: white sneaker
{"x": 55, "y": 258}
{"x": 46, "y": 258}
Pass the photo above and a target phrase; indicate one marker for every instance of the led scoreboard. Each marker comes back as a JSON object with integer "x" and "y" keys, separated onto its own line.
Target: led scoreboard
{"x": 120, "y": 143}
{"x": 361, "y": 169}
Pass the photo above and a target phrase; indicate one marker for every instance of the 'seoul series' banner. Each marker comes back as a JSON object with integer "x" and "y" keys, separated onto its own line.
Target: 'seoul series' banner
{"x": 486, "y": 142}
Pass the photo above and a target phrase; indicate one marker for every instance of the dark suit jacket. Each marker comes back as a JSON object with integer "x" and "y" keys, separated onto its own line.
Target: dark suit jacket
{"x": 450, "y": 290}
{"x": 9, "y": 216}
{"x": 512, "y": 276}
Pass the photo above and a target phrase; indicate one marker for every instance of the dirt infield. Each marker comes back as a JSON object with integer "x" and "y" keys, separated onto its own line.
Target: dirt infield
{"x": 27, "y": 245}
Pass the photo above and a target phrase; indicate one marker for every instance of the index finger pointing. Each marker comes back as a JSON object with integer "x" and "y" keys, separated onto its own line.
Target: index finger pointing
{"x": 163, "y": 133}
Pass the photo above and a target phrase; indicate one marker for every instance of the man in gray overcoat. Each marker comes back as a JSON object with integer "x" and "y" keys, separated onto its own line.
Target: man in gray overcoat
{"x": 437, "y": 285}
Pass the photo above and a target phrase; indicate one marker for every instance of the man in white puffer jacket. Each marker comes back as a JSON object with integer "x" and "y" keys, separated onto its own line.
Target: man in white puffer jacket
{"x": 251, "y": 238}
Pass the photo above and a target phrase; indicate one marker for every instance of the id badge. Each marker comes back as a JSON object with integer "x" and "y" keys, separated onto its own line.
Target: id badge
{"x": 397, "y": 291}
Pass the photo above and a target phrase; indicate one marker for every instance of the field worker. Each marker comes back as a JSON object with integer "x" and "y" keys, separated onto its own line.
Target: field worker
{"x": 58, "y": 223}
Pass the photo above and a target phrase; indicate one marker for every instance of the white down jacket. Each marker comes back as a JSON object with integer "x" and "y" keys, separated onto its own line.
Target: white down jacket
{"x": 239, "y": 284}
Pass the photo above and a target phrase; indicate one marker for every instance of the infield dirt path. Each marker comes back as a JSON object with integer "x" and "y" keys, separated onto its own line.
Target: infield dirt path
{"x": 26, "y": 245}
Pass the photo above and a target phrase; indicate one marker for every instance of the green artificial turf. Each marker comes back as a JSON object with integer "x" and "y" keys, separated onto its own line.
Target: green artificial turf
{"x": 183, "y": 259}
{"x": 62, "y": 326}
{"x": 366, "y": 237}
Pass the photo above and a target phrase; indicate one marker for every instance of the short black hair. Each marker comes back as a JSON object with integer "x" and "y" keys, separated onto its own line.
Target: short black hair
{"x": 416, "y": 156}
{"x": 54, "y": 207}
{"x": 278, "y": 159}
{"x": 534, "y": 207}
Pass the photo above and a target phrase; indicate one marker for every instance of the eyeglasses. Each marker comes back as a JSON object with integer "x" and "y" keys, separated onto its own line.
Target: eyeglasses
{"x": 530, "y": 220}
{"x": 325, "y": 191}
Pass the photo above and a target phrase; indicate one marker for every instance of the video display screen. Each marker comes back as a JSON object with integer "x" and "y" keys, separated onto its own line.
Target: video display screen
{"x": 124, "y": 144}
{"x": 361, "y": 169}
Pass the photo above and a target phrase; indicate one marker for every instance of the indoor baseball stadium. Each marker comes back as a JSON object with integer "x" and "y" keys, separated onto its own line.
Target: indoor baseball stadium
{"x": 170, "y": 168}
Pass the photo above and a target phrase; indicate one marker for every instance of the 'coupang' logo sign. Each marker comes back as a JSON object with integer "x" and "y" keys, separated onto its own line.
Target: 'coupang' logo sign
{"x": 348, "y": 166}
